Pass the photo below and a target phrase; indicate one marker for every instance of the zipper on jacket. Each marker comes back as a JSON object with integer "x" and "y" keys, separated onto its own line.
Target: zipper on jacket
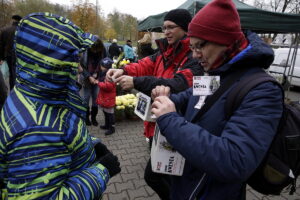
{"x": 193, "y": 193}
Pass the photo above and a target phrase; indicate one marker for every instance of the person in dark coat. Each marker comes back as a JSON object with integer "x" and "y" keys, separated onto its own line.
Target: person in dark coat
{"x": 7, "y": 52}
{"x": 114, "y": 49}
{"x": 3, "y": 91}
{"x": 145, "y": 46}
{"x": 90, "y": 61}
{"x": 220, "y": 154}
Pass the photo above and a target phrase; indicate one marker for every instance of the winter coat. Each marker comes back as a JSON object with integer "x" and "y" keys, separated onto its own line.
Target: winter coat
{"x": 114, "y": 50}
{"x": 46, "y": 151}
{"x": 7, "y": 40}
{"x": 145, "y": 50}
{"x": 107, "y": 94}
{"x": 3, "y": 90}
{"x": 128, "y": 51}
{"x": 221, "y": 154}
{"x": 172, "y": 66}
{"x": 91, "y": 66}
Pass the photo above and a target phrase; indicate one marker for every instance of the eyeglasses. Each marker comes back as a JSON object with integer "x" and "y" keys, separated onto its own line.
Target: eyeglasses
{"x": 168, "y": 28}
{"x": 198, "y": 46}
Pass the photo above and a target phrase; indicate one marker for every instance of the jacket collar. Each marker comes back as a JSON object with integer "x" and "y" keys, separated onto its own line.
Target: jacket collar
{"x": 256, "y": 54}
{"x": 172, "y": 52}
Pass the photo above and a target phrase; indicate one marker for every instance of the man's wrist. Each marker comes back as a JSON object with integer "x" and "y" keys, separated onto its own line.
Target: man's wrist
{"x": 124, "y": 71}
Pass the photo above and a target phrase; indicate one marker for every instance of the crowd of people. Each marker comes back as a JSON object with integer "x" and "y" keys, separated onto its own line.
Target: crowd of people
{"x": 46, "y": 151}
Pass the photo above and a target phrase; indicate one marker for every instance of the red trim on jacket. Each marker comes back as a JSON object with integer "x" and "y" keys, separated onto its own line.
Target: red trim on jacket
{"x": 176, "y": 59}
{"x": 165, "y": 64}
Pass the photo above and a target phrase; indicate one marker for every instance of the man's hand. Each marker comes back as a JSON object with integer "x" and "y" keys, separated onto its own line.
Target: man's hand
{"x": 162, "y": 105}
{"x": 160, "y": 91}
{"x": 126, "y": 82}
{"x": 113, "y": 74}
{"x": 93, "y": 80}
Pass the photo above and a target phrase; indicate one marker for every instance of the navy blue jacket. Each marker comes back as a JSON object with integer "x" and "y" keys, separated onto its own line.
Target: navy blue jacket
{"x": 221, "y": 155}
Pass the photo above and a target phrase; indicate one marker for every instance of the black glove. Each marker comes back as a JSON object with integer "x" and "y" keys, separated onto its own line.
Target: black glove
{"x": 101, "y": 150}
{"x": 111, "y": 163}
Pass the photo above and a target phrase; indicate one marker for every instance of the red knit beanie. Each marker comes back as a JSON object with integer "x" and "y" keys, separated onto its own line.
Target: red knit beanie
{"x": 218, "y": 22}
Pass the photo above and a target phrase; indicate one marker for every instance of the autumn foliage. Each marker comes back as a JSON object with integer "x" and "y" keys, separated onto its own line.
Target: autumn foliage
{"x": 84, "y": 15}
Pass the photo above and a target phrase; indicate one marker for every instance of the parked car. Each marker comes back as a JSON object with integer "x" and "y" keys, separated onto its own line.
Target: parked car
{"x": 281, "y": 68}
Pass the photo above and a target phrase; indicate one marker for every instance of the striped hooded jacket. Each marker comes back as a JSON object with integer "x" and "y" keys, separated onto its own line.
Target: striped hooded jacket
{"x": 45, "y": 149}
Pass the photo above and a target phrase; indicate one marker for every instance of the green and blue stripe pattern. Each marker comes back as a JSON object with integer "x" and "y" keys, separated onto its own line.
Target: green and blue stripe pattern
{"x": 45, "y": 149}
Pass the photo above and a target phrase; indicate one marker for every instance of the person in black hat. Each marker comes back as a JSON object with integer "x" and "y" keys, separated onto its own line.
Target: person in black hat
{"x": 171, "y": 66}
{"x": 128, "y": 51}
{"x": 7, "y": 52}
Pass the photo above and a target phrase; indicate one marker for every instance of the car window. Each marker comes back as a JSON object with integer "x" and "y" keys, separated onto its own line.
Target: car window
{"x": 281, "y": 56}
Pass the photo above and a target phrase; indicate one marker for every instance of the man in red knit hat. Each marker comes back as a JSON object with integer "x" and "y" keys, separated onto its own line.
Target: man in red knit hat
{"x": 221, "y": 153}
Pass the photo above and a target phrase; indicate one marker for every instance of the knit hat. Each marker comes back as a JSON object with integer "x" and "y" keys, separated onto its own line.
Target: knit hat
{"x": 181, "y": 17}
{"x": 114, "y": 41}
{"x": 218, "y": 22}
{"x": 106, "y": 62}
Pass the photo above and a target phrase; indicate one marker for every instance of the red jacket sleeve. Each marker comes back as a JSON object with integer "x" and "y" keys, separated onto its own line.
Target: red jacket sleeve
{"x": 106, "y": 86}
{"x": 144, "y": 67}
{"x": 182, "y": 79}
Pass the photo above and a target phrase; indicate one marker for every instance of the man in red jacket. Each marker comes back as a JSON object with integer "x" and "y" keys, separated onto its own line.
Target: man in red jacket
{"x": 171, "y": 66}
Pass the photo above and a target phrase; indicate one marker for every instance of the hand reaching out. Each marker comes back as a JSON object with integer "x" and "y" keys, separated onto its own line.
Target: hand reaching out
{"x": 162, "y": 105}
{"x": 160, "y": 91}
{"x": 113, "y": 74}
{"x": 126, "y": 82}
{"x": 93, "y": 80}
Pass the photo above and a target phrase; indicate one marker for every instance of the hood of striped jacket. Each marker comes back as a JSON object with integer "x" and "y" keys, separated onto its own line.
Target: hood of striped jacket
{"x": 47, "y": 50}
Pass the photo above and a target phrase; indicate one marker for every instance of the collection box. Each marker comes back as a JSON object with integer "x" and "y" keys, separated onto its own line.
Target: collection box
{"x": 164, "y": 158}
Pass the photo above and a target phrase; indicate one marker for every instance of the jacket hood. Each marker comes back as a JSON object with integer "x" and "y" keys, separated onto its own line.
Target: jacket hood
{"x": 47, "y": 50}
{"x": 256, "y": 54}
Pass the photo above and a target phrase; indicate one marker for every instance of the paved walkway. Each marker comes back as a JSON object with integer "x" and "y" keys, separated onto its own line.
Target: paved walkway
{"x": 129, "y": 144}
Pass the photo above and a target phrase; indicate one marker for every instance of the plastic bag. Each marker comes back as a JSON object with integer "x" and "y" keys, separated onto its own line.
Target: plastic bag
{"x": 4, "y": 70}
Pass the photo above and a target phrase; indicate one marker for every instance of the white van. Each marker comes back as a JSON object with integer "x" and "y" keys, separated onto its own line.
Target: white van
{"x": 279, "y": 67}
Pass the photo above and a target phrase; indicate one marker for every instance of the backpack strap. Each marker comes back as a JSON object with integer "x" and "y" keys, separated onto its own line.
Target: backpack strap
{"x": 237, "y": 94}
{"x": 210, "y": 100}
